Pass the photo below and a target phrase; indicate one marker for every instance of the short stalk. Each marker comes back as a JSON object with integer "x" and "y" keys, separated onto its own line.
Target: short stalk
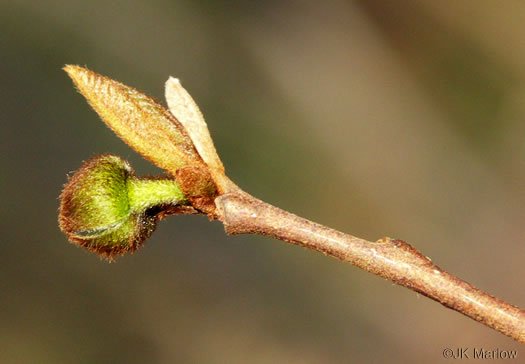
{"x": 146, "y": 193}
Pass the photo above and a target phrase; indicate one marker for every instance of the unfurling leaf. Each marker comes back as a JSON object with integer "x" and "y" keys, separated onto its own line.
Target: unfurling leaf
{"x": 183, "y": 107}
{"x": 140, "y": 121}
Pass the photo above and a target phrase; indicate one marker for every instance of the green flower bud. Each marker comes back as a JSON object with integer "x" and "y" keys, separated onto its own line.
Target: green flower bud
{"x": 106, "y": 209}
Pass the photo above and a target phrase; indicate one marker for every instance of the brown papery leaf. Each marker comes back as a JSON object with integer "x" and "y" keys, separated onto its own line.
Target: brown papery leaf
{"x": 182, "y": 106}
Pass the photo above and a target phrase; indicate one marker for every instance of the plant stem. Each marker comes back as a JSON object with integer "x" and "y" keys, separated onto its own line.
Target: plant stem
{"x": 389, "y": 258}
{"x": 144, "y": 193}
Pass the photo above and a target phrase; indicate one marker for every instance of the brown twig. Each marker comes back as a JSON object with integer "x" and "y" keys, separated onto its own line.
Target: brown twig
{"x": 389, "y": 258}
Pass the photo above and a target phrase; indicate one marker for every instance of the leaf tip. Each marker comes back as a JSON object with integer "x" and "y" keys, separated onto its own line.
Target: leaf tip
{"x": 74, "y": 71}
{"x": 172, "y": 80}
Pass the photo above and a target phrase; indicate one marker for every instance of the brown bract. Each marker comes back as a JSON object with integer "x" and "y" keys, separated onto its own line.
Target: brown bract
{"x": 198, "y": 187}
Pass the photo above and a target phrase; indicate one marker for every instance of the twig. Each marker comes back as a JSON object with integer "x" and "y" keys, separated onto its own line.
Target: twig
{"x": 389, "y": 258}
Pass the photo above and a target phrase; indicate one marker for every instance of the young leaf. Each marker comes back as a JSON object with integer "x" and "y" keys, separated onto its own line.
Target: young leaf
{"x": 182, "y": 106}
{"x": 141, "y": 122}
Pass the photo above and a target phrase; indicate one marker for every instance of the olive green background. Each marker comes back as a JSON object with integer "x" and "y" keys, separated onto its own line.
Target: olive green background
{"x": 378, "y": 118}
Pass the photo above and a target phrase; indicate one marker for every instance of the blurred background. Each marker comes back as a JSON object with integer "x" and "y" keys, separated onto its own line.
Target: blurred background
{"x": 377, "y": 118}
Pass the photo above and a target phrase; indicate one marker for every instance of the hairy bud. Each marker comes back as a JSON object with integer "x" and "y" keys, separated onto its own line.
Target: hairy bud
{"x": 106, "y": 209}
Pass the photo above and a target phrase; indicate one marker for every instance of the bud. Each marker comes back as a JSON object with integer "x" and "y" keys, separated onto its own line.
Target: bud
{"x": 106, "y": 209}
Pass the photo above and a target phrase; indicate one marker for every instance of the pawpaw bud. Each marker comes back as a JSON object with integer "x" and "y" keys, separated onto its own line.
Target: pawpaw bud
{"x": 106, "y": 209}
